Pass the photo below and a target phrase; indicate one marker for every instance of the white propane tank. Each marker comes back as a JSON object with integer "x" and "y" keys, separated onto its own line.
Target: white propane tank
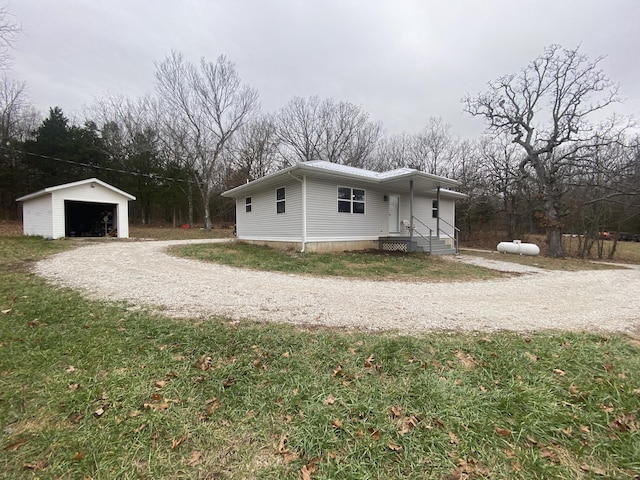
{"x": 519, "y": 248}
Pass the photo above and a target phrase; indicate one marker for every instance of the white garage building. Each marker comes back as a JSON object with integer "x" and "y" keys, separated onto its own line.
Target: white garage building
{"x": 87, "y": 208}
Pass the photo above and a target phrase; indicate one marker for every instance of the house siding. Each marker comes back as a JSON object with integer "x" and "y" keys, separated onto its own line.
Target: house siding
{"x": 263, "y": 223}
{"x": 324, "y": 222}
{"x": 36, "y": 217}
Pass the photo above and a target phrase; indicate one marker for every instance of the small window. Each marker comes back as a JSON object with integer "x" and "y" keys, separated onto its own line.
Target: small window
{"x": 350, "y": 200}
{"x": 434, "y": 209}
{"x": 280, "y": 197}
{"x": 247, "y": 204}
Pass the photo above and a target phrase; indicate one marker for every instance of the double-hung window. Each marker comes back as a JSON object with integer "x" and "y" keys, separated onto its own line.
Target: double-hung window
{"x": 247, "y": 204}
{"x": 350, "y": 200}
{"x": 280, "y": 198}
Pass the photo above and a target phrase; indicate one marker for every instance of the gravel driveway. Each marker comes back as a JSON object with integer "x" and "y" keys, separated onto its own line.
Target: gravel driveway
{"x": 143, "y": 274}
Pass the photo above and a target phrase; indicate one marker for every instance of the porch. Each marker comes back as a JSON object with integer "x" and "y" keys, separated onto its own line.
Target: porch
{"x": 429, "y": 245}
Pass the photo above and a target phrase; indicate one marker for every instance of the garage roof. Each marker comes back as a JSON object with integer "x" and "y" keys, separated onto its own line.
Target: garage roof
{"x": 49, "y": 190}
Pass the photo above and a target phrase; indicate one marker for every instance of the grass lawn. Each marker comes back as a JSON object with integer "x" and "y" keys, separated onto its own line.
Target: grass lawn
{"x": 98, "y": 390}
{"x": 371, "y": 264}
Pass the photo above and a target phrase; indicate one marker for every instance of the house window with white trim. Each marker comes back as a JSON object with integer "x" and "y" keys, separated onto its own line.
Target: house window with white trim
{"x": 247, "y": 204}
{"x": 350, "y": 200}
{"x": 280, "y": 198}
{"x": 434, "y": 208}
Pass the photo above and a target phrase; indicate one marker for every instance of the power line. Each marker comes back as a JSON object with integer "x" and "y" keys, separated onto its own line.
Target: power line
{"x": 98, "y": 167}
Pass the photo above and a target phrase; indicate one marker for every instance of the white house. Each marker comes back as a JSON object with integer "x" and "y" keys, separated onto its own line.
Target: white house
{"x": 322, "y": 206}
{"x": 85, "y": 208}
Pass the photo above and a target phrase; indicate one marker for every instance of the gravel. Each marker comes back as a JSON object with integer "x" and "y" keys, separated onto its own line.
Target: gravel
{"x": 144, "y": 275}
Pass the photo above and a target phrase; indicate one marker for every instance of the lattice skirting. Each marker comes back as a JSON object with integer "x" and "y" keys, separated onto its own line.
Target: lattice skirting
{"x": 394, "y": 246}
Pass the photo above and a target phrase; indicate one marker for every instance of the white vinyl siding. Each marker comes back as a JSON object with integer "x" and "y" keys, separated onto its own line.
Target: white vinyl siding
{"x": 264, "y": 223}
{"x": 36, "y": 217}
{"x": 325, "y": 222}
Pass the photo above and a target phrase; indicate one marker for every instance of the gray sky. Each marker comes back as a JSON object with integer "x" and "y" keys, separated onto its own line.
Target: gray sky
{"x": 402, "y": 61}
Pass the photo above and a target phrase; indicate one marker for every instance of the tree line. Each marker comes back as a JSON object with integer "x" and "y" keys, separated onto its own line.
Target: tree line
{"x": 548, "y": 163}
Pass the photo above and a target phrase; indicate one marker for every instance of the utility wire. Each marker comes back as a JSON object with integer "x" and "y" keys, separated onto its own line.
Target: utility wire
{"x": 97, "y": 167}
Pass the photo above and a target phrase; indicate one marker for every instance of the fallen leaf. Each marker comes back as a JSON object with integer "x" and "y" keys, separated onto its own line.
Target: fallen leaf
{"x": 196, "y": 458}
{"x": 282, "y": 444}
{"x": 585, "y": 429}
{"x": 140, "y": 428}
{"x": 606, "y": 408}
{"x": 39, "y": 465}
{"x": 163, "y": 347}
{"x": 160, "y": 384}
{"x": 562, "y": 373}
{"x": 307, "y": 470}
{"x": 375, "y": 434}
{"x": 5, "y": 311}
{"x": 368, "y": 363}
{"x": 532, "y": 358}
{"x": 74, "y": 386}
{"x": 330, "y": 400}
{"x": 337, "y": 423}
{"x": 338, "y": 371}
{"x": 608, "y": 366}
{"x": 99, "y": 412}
{"x": 482, "y": 389}
{"x": 176, "y": 442}
{"x": 16, "y": 445}
{"x": 286, "y": 354}
{"x": 289, "y": 457}
{"x": 453, "y": 438}
{"x": 70, "y": 369}
{"x": 394, "y": 447}
{"x": 79, "y": 456}
{"x": 574, "y": 391}
{"x": 466, "y": 359}
{"x": 396, "y": 411}
{"x": 503, "y": 432}
{"x": 408, "y": 425}
{"x": 228, "y": 382}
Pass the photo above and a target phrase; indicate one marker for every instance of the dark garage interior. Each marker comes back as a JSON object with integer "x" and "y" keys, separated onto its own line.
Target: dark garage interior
{"x": 87, "y": 219}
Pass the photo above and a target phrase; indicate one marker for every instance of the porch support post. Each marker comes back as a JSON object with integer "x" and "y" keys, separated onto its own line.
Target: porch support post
{"x": 411, "y": 210}
{"x": 438, "y": 212}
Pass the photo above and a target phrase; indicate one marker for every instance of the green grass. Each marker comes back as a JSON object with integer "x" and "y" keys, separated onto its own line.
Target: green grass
{"x": 215, "y": 399}
{"x": 371, "y": 264}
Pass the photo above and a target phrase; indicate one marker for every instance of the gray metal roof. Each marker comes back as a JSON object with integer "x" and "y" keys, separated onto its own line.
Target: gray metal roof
{"x": 397, "y": 179}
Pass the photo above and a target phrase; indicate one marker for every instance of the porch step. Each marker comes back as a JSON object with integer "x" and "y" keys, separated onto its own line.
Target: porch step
{"x": 418, "y": 244}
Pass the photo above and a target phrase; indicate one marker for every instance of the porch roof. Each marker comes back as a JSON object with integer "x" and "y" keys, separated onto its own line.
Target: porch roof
{"x": 396, "y": 180}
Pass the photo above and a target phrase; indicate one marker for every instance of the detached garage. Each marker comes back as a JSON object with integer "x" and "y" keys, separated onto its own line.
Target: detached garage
{"x": 88, "y": 208}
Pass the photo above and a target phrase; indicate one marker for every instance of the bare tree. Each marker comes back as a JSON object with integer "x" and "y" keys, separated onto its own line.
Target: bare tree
{"x": 435, "y": 148}
{"x": 546, "y": 110}
{"x": 210, "y": 105}
{"x": 9, "y": 30}
{"x": 311, "y": 129}
{"x": 253, "y": 151}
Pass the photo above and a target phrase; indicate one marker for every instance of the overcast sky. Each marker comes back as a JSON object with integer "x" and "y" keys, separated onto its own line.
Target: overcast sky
{"x": 401, "y": 61}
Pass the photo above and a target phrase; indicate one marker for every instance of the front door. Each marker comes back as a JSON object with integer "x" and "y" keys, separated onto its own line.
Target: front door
{"x": 394, "y": 214}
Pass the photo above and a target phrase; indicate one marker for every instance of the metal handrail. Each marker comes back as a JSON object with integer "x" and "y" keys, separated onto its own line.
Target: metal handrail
{"x": 456, "y": 230}
{"x": 430, "y": 232}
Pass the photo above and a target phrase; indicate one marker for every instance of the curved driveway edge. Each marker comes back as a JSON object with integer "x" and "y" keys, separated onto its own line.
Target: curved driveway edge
{"x": 142, "y": 273}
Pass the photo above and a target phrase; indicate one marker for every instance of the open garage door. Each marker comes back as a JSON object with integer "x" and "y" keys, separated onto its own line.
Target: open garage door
{"x": 88, "y": 219}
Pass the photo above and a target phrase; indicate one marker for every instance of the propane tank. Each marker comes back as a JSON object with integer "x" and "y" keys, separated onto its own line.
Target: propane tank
{"x": 519, "y": 248}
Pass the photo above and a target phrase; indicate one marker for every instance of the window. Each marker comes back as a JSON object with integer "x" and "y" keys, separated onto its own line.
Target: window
{"x": 247, "y": 204}
{"x": 434, "y": 209}
{"x": 280, "y": 200}
{"x": 350, "y": 200}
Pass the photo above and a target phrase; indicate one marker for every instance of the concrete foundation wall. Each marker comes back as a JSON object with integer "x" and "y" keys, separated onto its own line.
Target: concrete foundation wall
{"x": 319, "y": 247}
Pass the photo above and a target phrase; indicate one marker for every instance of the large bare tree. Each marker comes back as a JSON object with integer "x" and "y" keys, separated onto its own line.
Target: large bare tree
{"x": 209, "y": 104}
{"x": 338, "y": 132}
{"x": 547, "y": 109}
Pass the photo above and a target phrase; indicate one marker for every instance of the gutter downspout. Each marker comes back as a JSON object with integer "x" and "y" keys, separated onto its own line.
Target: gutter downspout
{"x": 304, "y": 209}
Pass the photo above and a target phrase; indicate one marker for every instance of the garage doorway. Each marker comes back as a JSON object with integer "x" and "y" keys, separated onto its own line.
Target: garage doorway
{"x": 88, "y": 219}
